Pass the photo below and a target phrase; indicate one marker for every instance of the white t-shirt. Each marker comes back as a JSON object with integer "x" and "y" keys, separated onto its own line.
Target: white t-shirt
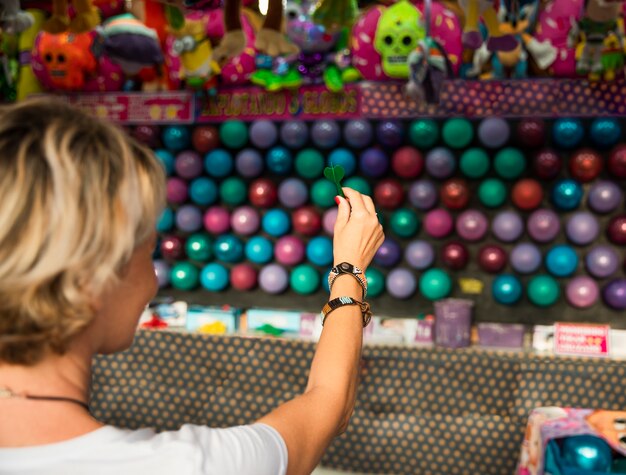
{"x": 256, "y": 449}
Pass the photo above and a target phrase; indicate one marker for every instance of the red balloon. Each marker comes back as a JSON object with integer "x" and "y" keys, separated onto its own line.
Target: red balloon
{"x": 585, "y": 165}
{"x": 617, "y": 161}
{"x": 243, "y": 277}
{"x": 531, "y": 132}
{"x": 205, "y": 138}
{"x": 172, "y": 247}
{"x": 262, "y": 193}
{"x": 407, "y": 162}
{"x": 389, "y": 194}
{"x": 455, "y": 255}
{"x": 455, "y": 193}
{"x": 147, "y": 134}
{"x": 307, "y": 221}
{"x": 547, "y": 164}
{"x": 527, "y": 194}
{"x": 492, "y": 258}
{"x": 616, "y": 230}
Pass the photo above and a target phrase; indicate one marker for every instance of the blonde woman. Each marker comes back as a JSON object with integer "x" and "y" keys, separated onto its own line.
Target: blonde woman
{"x": 78, "y": 205}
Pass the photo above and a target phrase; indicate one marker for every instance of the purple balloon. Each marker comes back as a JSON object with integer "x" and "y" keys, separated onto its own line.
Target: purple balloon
{"x": 373, "y": 162}
{"x": 582, "y": 228}
{"x": 289, "y": 250}
{"x": 263, "y": 133}
{"x": 294, "y": 133}
{"x": 189, "y": 164}
{"x": 329, "y": 219}
{"x": 494, "y": 132}
{"x": 293, "y": 193}
{"x": 440, "y": 163}
{"x": 245, "y": 220}
{"x": 326, "y": 133}
{"x": 162, "y": 271}
{"x": 604, "y": 197}
{"x": 423, "y": 194}
{"x": 471, "y": 225}
{"x": 420, "y": 254}
{"x": 543, "y": 225}
{"x": 188, "y": 218}
{"x": 401, "y": 283}
{"x": 176, "y": 190}
{"x": 582, "y": 292}
{"x": 614, "y": 294}
{"x": 358, "y": 133}
{"x": 602, "y": 261}
{"x": 273, "y": 279}
{"x": 438, "y": 223}
{"x": 525, "y": 258}
{"x": 388, "y": 254}
{"x": 249, "y": 163}
{"x": 507, "y": 226}
{"x": 390, "y": 133}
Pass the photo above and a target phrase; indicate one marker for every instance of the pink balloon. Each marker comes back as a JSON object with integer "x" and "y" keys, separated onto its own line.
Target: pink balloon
{"x": 328, "y": 221}
{"x": 582, "y": 292}
{"x": 289, "y": 250}
{"x": 471, "y": 225}
{"x": 438, "y": 223}
{"x": 245, "y": 220}
{"x": 217, "y": 220}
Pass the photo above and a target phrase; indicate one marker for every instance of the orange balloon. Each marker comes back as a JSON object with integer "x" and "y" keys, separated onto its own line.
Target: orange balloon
{"x": 527, "y": 194}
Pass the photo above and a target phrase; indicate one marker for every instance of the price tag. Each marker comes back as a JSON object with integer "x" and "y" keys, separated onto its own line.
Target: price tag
{"x": 581, "y": 339}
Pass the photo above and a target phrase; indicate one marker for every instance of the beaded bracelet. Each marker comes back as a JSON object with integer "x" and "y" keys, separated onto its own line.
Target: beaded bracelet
{"x": 346, "y": 268}
{"x": 334, "y": 304}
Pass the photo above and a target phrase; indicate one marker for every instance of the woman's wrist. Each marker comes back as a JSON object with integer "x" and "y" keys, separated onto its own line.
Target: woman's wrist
{"x": 346, "y": 286}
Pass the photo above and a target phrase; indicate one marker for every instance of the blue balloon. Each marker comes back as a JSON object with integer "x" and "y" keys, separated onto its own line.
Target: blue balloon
{"x": 259, "y": 250}
{"x": 567, "y": 194}
{"x": 276, "y": 222}
{"x": 562, "y": 260}
{"x": 587, "y": 453}
{"x": 525, "y": 258}
{"x": 506, "y": 289}
{"x": 214, "y": 277}
{"x": 373, "y": 162}
{"x": 568, "y": 133}
{"x": 166, "y": 221}
{"x": 343, "y": 157}
{"x": 319, "y": 251}
{"x": 228, "y": 248}
{"x": 279, "y": 160}
{"x": 203, "y": 191}
{"x": 218, "y": 163}
{"x": 167, "y": 160}
{"x": 440, "y": 163}
{"x": 249, "y": 163}
{"x": 176, "y": 137}
{"x": 605, "y": 132}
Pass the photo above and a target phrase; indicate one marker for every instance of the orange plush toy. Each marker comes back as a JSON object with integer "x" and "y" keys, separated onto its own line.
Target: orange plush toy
{"x": 86, "y": 19}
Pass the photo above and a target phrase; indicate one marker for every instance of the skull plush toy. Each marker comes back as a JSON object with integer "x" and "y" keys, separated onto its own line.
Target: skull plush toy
{"x": 399, "y": 31}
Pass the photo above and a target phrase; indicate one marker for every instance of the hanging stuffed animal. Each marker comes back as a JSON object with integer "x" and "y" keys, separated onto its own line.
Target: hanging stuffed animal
{"x": 472, "y": 38}
{"x": 12, "y": 19}
{"x": 86, "y": 18}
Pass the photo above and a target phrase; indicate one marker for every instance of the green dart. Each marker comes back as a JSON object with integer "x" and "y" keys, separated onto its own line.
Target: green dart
{"x": 335, "y": 173}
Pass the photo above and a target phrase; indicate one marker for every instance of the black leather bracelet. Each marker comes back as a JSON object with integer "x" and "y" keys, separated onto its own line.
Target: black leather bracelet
{"x": 346, "y": 268}
{"x": 334, "y": 304}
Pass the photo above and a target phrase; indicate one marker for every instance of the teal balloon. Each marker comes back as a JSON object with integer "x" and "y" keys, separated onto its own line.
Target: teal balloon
{"x": 359, "y": 184}
{"x": 233, "y": 191}
{"x": 309, "y": 163}
{"x": 166, "y": 221}
{"x": 435, "y": 284}
{"x": 605, "y": 132}
{"x": 509, "y": 163}
{"x": 458, "y": 133}
{"x": 176, "y": 138}
{"x": 323, "y": 193}
{"x": 167, "y": 160}
{"x": 492, "y": 193}
{"x": 568, "y": 133}
{"x": 375, "y": 282}
{"x": 184, "y": 276}
{"x": 587, "y": 453}
{"x": 304, "y": 279}
{"x": 234, "y": 134}
{"x": 424, "y": 133}
{"x": 404, "y": 222}
{"x": 259, "y": 250}
{"x": 474, "y": 163}
{"x": 228, "y": 248}
{"x": 199, "y": 247}
{"x": 506, "y": 289}
{"x": 567, "y": 194}
{"x": 214, "y": 277}
{"x": 562, "y": 260}
{"x": 543, "y": 290}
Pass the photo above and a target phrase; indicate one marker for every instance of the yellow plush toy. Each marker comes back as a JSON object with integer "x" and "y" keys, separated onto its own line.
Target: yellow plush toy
{"x": 86, "y": 19}
{"x": 472, "y": 38}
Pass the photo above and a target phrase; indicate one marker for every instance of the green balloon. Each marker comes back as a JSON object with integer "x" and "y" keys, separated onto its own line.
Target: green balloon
{"x": 309, "y": 163}
{"x": 185, "y": 276}
{"x": 375, "y": 282}
{"x": 233, "y": 191}
{"x": 492, "y": 193}
{"x": 199, "y": 247}
{"x": 474, "y": 163}
{"x": 234, "y": 133}
{"x": 435, "y": 284}
{"x": 404, "y": 222}
{"x": 424, "y": 133}
{"x": 359, "y": 184}
{"x": 304, "y": 279}
{"x": 543, "y": 290}
{"x": 323, "y": 193}
{"x": 509, "y": 163}
{"x": 458, "y": 133}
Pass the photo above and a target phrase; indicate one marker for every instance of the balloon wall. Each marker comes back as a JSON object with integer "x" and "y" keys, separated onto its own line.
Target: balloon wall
{"x": 524, "y": 216}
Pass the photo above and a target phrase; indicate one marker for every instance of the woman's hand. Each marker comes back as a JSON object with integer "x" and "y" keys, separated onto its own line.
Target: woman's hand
{"x": 358, "y": 234}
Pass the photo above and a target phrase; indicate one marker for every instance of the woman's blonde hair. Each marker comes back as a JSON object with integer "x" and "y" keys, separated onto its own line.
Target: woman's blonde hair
{"x": 77, "y": 195}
